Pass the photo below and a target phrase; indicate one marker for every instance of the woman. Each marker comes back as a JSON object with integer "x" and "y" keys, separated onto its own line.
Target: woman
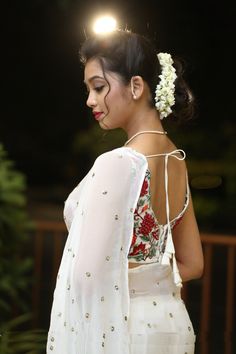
{"x": 133, "y": 236}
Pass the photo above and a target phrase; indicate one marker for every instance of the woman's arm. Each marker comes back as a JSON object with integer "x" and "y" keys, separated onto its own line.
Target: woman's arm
{"x": 188, "y": 248}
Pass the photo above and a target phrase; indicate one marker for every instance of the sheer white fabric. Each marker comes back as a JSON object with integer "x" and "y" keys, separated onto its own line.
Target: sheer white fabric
{"x": 91, "y": 300}
{"x": 101, "y": 306}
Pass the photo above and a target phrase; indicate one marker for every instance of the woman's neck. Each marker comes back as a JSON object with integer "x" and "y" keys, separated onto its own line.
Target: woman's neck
{"x": 148, "y": 120}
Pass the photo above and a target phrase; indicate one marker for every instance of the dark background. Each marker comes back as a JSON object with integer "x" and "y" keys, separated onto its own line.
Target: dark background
{"x": 43, "y": 111}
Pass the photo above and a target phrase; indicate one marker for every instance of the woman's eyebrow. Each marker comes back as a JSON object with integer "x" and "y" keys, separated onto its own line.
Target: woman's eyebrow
{"x": 93, "y": 78}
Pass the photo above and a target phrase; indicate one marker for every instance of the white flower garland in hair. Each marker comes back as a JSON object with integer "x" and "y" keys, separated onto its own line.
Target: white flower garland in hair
{"x": 165, "y": 89}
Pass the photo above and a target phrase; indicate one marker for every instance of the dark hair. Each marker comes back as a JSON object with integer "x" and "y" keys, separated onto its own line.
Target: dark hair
{"x": 129, "y": 54}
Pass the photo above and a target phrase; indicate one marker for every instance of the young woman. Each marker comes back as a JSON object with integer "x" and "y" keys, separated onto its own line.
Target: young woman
{"x": 133, "y": 236}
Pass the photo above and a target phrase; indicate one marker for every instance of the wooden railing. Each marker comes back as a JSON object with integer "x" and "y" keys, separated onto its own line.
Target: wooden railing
{"x": 54, "y": 233}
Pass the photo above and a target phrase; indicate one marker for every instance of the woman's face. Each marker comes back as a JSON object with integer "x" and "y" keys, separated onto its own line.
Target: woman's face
{"x": 109, "y": 99}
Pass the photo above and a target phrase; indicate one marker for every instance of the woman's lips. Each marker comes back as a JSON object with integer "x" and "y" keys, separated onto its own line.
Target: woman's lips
{"x": 97, "y": 115}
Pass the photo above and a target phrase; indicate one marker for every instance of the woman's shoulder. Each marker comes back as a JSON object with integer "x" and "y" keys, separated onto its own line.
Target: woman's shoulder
{"x": 124, "y": 153}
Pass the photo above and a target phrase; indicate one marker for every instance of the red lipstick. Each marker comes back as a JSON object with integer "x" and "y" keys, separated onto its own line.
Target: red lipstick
{"x": 97, "y": 115}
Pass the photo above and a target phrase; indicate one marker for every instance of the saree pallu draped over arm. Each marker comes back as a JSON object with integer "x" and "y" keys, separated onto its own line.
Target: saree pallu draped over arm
{"x": 90, "y": 310}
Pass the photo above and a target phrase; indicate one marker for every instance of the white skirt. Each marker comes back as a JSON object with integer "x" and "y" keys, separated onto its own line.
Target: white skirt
{"x": 159, "y": 322}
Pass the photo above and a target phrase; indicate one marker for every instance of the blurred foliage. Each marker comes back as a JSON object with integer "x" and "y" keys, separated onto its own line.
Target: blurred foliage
{"x": 15, "y": 265}
{"x": 15, "y": 341}
{"x": 14, "y": 227}
{"x": 210, "y": 162}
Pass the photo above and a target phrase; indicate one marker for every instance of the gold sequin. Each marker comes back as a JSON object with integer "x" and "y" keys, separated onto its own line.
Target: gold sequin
{"x": 51, "y": 347}
{"x": 59, "y": 314}
{"x": 112, "y": 328}
{"x": 72, "y": 329}
{"x": 102, "y": 298}
{"x": 116, "y": 287}
{"x": 103, "y": 344}
{"x": 104, "y": 335}
{"x": 154, "y": 303}
{"x": 149, "y": 325}
{"x": 107, "y": 258}
{"x": 52, "y": 339}
{"x": 126, "y": 318}
{"x": 173, "y": 294}
{"x": 73, "y": 300}
{"x": 88, "y": 274}
{"x": 93, "y": 174}
{"x": 189, "y": 328}
{"x": 87, "y": 315}
{"x": 121, "y": 248}
{"x": 116, "y": 217}
{"x": 68, "y": 287}
{"x": 170, "y": 314}
{"x": 104, "y": 192}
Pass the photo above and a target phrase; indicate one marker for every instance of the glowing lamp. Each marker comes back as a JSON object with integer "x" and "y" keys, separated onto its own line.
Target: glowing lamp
{"x": 105, "y": 24}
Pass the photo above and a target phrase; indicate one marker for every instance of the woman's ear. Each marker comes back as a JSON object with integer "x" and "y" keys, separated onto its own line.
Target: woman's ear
{"x": 137, "y": 86}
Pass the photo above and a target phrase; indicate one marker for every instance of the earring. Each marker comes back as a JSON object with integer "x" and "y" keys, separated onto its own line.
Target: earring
{"x": 134, "y": 96}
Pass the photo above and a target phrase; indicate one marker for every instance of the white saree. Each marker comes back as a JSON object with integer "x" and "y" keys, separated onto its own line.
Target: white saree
{"x": 100, "y": 305}
{"x": 91, "y": 300}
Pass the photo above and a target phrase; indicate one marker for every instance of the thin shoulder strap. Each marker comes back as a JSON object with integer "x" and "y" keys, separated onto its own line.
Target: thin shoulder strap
{"x": 172, "y": 153}
{"x": 169, "y": 248}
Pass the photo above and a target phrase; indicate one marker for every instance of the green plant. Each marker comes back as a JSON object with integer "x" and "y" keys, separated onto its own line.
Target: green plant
{"x": 15, "y": 265}
{"x": 15, "y": 340}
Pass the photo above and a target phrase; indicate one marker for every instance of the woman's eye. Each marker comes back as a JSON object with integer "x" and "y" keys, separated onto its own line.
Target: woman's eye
{"x": 99, "y": 88}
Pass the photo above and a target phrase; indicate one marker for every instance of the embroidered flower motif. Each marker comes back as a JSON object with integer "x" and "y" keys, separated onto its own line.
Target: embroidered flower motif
{"x": 146, "y": 241}
{"x": 144, "y": 188}
{"x": 138, "y": 249}
{"x": 133, "y": 240}
{"x": 155, "y": 234}
{"x": 147, "y": 224}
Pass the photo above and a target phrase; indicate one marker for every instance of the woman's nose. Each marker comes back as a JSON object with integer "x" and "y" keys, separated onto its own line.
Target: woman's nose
{"x": 91, "y": 101}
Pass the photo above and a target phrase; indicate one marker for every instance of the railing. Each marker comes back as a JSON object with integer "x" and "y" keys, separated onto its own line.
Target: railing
{"x": 55, "y": 233}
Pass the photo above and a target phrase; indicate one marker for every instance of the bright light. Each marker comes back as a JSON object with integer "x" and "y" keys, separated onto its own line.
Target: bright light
{"x": 104, "y": 25}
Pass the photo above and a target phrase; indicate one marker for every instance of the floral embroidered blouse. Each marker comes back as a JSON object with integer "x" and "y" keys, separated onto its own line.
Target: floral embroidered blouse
{"x": 149, "y": 240}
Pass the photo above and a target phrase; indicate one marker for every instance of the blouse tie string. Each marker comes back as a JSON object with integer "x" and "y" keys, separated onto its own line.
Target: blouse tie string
{"x": 169, "y": 253}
